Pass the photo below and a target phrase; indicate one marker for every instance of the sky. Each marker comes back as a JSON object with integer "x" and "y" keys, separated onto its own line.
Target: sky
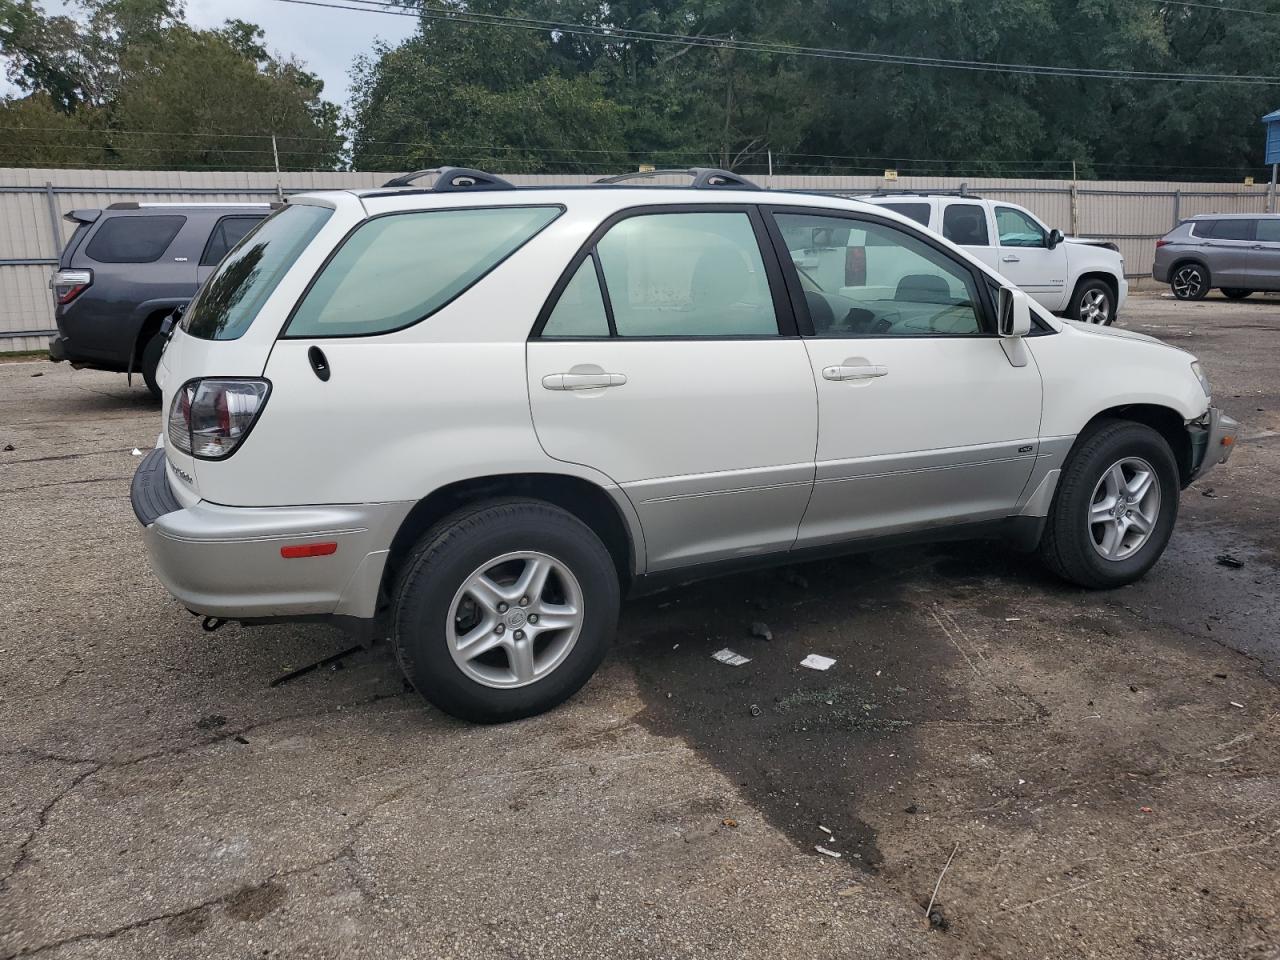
{"x": 326, "y": 40}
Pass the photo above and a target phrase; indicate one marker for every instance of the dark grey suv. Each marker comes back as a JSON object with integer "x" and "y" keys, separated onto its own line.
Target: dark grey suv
{"x": 1238, "y": 253}
{"x": 127, "y": 267}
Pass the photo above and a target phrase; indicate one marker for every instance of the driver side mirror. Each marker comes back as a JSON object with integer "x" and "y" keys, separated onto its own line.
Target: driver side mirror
{"x": 1014, "y": 313}
{"x": 1055, "y": 237}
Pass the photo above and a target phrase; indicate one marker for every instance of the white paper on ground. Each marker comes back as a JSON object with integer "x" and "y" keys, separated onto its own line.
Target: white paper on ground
{"x": 732, "y": 659}
{"x": 816, "y": 661}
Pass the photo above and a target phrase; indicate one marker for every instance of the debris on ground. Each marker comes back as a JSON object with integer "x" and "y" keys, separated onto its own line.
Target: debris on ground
{"x": 825, "y": 830}
{"x": 137, "y": 452}
{"x": 240, "y": 739}
{"x": 303, "y": 671}
{"x": 8, "y": 448}
{"x": 37, "y": 375}
{"x": 912, "y": 809}
{"x": 1144, "y": 810}
{"x": 816, "y": 661}
{"x": 732, "y": 659}
{"x": 1012, "y": 619}
{"x": 1228, "y": 560}
{"x": 1132, "y": 688}
{"x": 1220, "y": 676}
{"x": 761, "y": 630}
{"x": 755, "y": 710}
{"x": 730, "y": 822}
{"x": 212, "y": 722}
{"x": 937, "y": 920}
{"x": 1234, "y": 704}
{"x": 1208, "y": 492}
{"x": 827, "y": 853}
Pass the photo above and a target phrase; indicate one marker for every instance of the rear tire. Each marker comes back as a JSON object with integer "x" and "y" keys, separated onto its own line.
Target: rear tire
{"x": 1235, "y": 293}
{"x": 474, "y": 632}
{"x": 151, "y": 364}
{"x": 1105, "y": 528}
{"x": 1190, "y": 281}
{"x": 1093, "y": 302}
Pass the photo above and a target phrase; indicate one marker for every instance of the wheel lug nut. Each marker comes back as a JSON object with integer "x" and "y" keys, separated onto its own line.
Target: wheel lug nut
{"x": 502, "y": 608}
{"x": 500, "y": 629}
{"x": 533, "y": 618}
{"x": 524, "y": 601}
{"x": 519, "y": 634}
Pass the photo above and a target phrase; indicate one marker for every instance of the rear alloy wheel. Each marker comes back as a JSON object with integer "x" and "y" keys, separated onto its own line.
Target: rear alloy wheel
{"x": 1094, "y": 303}
{"x": 504, "y": 610}
{"x": 1190, "y": 282}
{"x": 1115, "y": 506}
{"x": 1235, "y": 293}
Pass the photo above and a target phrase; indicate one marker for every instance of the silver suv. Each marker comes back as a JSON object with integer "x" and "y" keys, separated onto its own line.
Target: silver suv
{"x": 1237, "y": 253}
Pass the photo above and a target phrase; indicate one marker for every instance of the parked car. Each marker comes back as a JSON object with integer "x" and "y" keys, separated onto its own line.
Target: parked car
{"x": 472, "y": 417}
{"x": 127, "y": 267}
{"x": 1071, "y": 276}
{"x": 1237, "y": 253}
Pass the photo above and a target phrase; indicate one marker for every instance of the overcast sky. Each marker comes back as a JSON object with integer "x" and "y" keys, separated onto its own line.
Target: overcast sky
{"x": 326, "y": 40}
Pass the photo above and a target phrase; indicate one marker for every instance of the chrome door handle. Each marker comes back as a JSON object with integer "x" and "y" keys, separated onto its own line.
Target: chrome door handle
{"x": 842, "y": 372}
{"x": 582, "y": 381}
{"x": 1011, "y": 259}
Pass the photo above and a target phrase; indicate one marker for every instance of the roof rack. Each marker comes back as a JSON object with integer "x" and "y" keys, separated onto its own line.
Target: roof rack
{"x": 963, "y": 191}
{"x": 453, "y": 178}
{"x": 703, "y": 178}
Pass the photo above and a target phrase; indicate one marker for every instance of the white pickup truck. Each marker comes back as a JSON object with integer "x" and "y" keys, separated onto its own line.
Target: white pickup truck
{"x": 1070, "y": 276}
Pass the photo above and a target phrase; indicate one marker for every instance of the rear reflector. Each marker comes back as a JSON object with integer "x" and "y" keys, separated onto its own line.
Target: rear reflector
{"x": 308, "y": 550}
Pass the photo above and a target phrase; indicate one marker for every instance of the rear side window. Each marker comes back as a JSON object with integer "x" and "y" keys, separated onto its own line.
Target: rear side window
{"x": 227, "y": 232}
{"x": 965, "y": 224}
{"x": 1238, "y": 229}
{"x": 919, "y": 212}
{"x": 1268, "y": 231}
{"x": 133, "y": 239}
{"x": 226, "y": 305}
{"x": 396, "y": 270}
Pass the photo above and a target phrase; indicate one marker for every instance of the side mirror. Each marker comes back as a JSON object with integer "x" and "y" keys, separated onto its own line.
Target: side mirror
{"x": 1055, "y": 237}
{"x": 1014, "y": 313}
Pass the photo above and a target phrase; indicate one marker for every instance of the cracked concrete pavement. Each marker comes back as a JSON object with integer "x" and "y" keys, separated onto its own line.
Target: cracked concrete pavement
{"x": 1105, "y": 766}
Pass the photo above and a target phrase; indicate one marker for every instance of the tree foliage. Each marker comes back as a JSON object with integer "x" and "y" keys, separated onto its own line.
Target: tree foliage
{"x": 129, "y": 83}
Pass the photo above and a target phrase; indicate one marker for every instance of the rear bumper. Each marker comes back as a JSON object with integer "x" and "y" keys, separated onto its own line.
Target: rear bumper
{"x": 1213, "y": 437}
{"x": 226, "y": 561}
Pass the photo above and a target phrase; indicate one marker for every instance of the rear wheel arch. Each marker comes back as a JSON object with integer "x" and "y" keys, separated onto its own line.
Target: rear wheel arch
{"x": 1164, "y": 420}
{"x": 582, "y": 498}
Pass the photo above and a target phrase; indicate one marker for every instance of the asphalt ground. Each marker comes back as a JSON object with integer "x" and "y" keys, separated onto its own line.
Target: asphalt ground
{"x": 1100, "y": 770}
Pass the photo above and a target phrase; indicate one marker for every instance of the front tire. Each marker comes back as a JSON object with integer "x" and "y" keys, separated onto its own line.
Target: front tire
{"x": 1115, "y": 506}
{"x": 1094, "y": 302}
{"x": 504, "y": 610}
{"x": 1235, "y": 293}
{"x": 1190, "y": 281}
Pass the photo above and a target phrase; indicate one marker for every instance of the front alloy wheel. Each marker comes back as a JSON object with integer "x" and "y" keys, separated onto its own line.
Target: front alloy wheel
{"x": 1095, "y": 306}
{"x": 1189, "y": 282}
{"x": 1124, "y": 509}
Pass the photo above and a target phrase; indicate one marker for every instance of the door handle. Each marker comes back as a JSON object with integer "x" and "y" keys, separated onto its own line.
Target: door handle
{"x": 1011, "y": 259}
{"x": 863, "y": 372}
{"x": 582, "y": 381}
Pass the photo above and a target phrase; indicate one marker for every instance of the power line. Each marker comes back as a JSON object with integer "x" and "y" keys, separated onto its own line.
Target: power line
{"x": 1214, "y": 6}
{"x": 389, "y": 7}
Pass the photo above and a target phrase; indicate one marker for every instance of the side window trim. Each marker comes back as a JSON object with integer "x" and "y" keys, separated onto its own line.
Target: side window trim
{"x": 986, "y": 307}
{"x": 783, "y": 308}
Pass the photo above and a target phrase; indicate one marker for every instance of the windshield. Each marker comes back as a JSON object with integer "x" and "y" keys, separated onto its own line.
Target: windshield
{"x": 226, "y": 305}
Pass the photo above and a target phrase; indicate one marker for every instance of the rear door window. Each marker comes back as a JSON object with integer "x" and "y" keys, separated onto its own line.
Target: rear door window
{"x": 1236, "y": 229}
{"x": 919, "y": 212}
{"x": 966, "y": 224}
{"x": 398, "y": 269}
{"x": 226, "y": 305}
{"x": 133, "y": 239}
{"x": 1268, "y": 231}
{"x": 227, "y": 232}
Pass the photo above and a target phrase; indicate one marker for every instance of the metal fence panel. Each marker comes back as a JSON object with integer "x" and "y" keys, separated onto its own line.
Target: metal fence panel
{"x": 1133, "y": 214}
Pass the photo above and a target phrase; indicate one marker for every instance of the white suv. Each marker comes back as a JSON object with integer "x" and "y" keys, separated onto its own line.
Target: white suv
{"x": 472, "y": 417}
{"x": 1077, "y": 278}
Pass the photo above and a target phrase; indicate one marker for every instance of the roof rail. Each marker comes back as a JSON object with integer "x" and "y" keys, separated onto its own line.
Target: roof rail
{"x": 703, "y": 178}
{"x": 453, "y": 178}
{"x": 962, "y": 191}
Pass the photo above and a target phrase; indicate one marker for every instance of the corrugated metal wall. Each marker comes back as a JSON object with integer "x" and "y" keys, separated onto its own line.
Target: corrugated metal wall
{"x": 1132, "y": 213}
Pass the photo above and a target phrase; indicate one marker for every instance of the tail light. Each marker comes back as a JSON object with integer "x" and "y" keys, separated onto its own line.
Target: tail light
{"x": 69, "y": 284}
{"x": 855, "y": 266}
{"x": 209, "y": 418}
{"x": 1161, "y": 243}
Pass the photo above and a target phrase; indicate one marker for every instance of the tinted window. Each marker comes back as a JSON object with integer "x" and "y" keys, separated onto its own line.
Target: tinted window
{"x": 133, "y": 239}
{"x": 686, "y": 275}
{"x": 965, "y": 224}
{"x": 919, "y": 212}
{"x": 1016, "y": 229}
{"x": 580, "y": 310}
{"x": 399, "y": 269}
{"x": 226, "y": 234}
{"x": 226, "y": 305}
{"x": 906, "y": 287}
{"x": 1268, "y": 231}
{"x": 1238, "y": 229}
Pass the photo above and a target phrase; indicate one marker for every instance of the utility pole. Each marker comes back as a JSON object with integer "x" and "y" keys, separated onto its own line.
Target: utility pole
{"x": 768, "y": 184}
{"x": 1271, "y": 191}
{"x": 275, "y": 153}
{"x": 1075, "y": 202}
